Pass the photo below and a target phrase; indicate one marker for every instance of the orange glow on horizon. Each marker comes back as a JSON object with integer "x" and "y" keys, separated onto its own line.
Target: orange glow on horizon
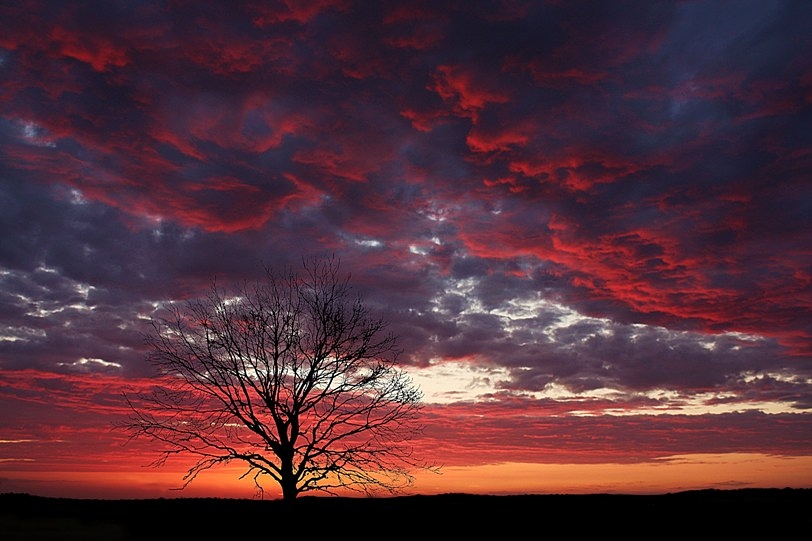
{"x": 671, "y": 474}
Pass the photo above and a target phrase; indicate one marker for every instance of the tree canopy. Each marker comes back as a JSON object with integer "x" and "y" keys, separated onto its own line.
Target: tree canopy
{"x": 290, "y": 375}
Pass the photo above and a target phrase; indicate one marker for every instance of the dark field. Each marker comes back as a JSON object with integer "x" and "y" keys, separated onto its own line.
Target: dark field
{"x": 704, "y": 514}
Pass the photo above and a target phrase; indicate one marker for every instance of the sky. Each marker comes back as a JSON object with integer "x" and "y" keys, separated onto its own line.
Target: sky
{"x": 589, "y": 223}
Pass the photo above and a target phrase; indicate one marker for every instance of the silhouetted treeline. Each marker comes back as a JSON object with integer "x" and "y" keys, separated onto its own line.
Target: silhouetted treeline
{"x": 699, "y": 513}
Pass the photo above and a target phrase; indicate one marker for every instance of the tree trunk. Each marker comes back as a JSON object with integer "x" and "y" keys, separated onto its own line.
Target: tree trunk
{"x": 288, "y": 481}
{"x": 289, "y": 490}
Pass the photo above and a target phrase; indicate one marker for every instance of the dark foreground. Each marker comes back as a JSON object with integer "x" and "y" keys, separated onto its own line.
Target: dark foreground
{"x": 701, "y": 514}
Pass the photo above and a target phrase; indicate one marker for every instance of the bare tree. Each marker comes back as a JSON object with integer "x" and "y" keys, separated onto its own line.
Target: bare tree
{"x": 291, "y": 376}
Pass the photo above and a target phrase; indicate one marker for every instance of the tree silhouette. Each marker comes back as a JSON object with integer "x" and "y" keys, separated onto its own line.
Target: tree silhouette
{"x": 290, "y": 375}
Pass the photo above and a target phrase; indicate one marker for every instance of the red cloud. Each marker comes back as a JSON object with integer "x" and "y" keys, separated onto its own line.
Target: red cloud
{"x": 251, "y": 123}
{"x": 466, "y": 91}
{"x": 533, "y": 432}
{"x": 99, "y": 53}
{"x": 496, "y": 140}
{"x": 424, "y": 121}
{"x": 414, "y": 27}
{"x": 268, "y": 13}
{"x": 69, "y": 394}
{"x": 653, "y": 272}
{"x": 56, "y": 41}
{"x": 544, "y": 73}
{"x": 574, "y": 169}
{"x": 337, "y": 163}
{"x": 75, "y": 412}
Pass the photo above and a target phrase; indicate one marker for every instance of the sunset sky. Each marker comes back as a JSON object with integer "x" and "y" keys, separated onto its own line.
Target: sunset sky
{"x": 589, "y": 223}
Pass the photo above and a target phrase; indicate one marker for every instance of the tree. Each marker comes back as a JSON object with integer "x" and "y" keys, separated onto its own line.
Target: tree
{"x": 291, "y": 376}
